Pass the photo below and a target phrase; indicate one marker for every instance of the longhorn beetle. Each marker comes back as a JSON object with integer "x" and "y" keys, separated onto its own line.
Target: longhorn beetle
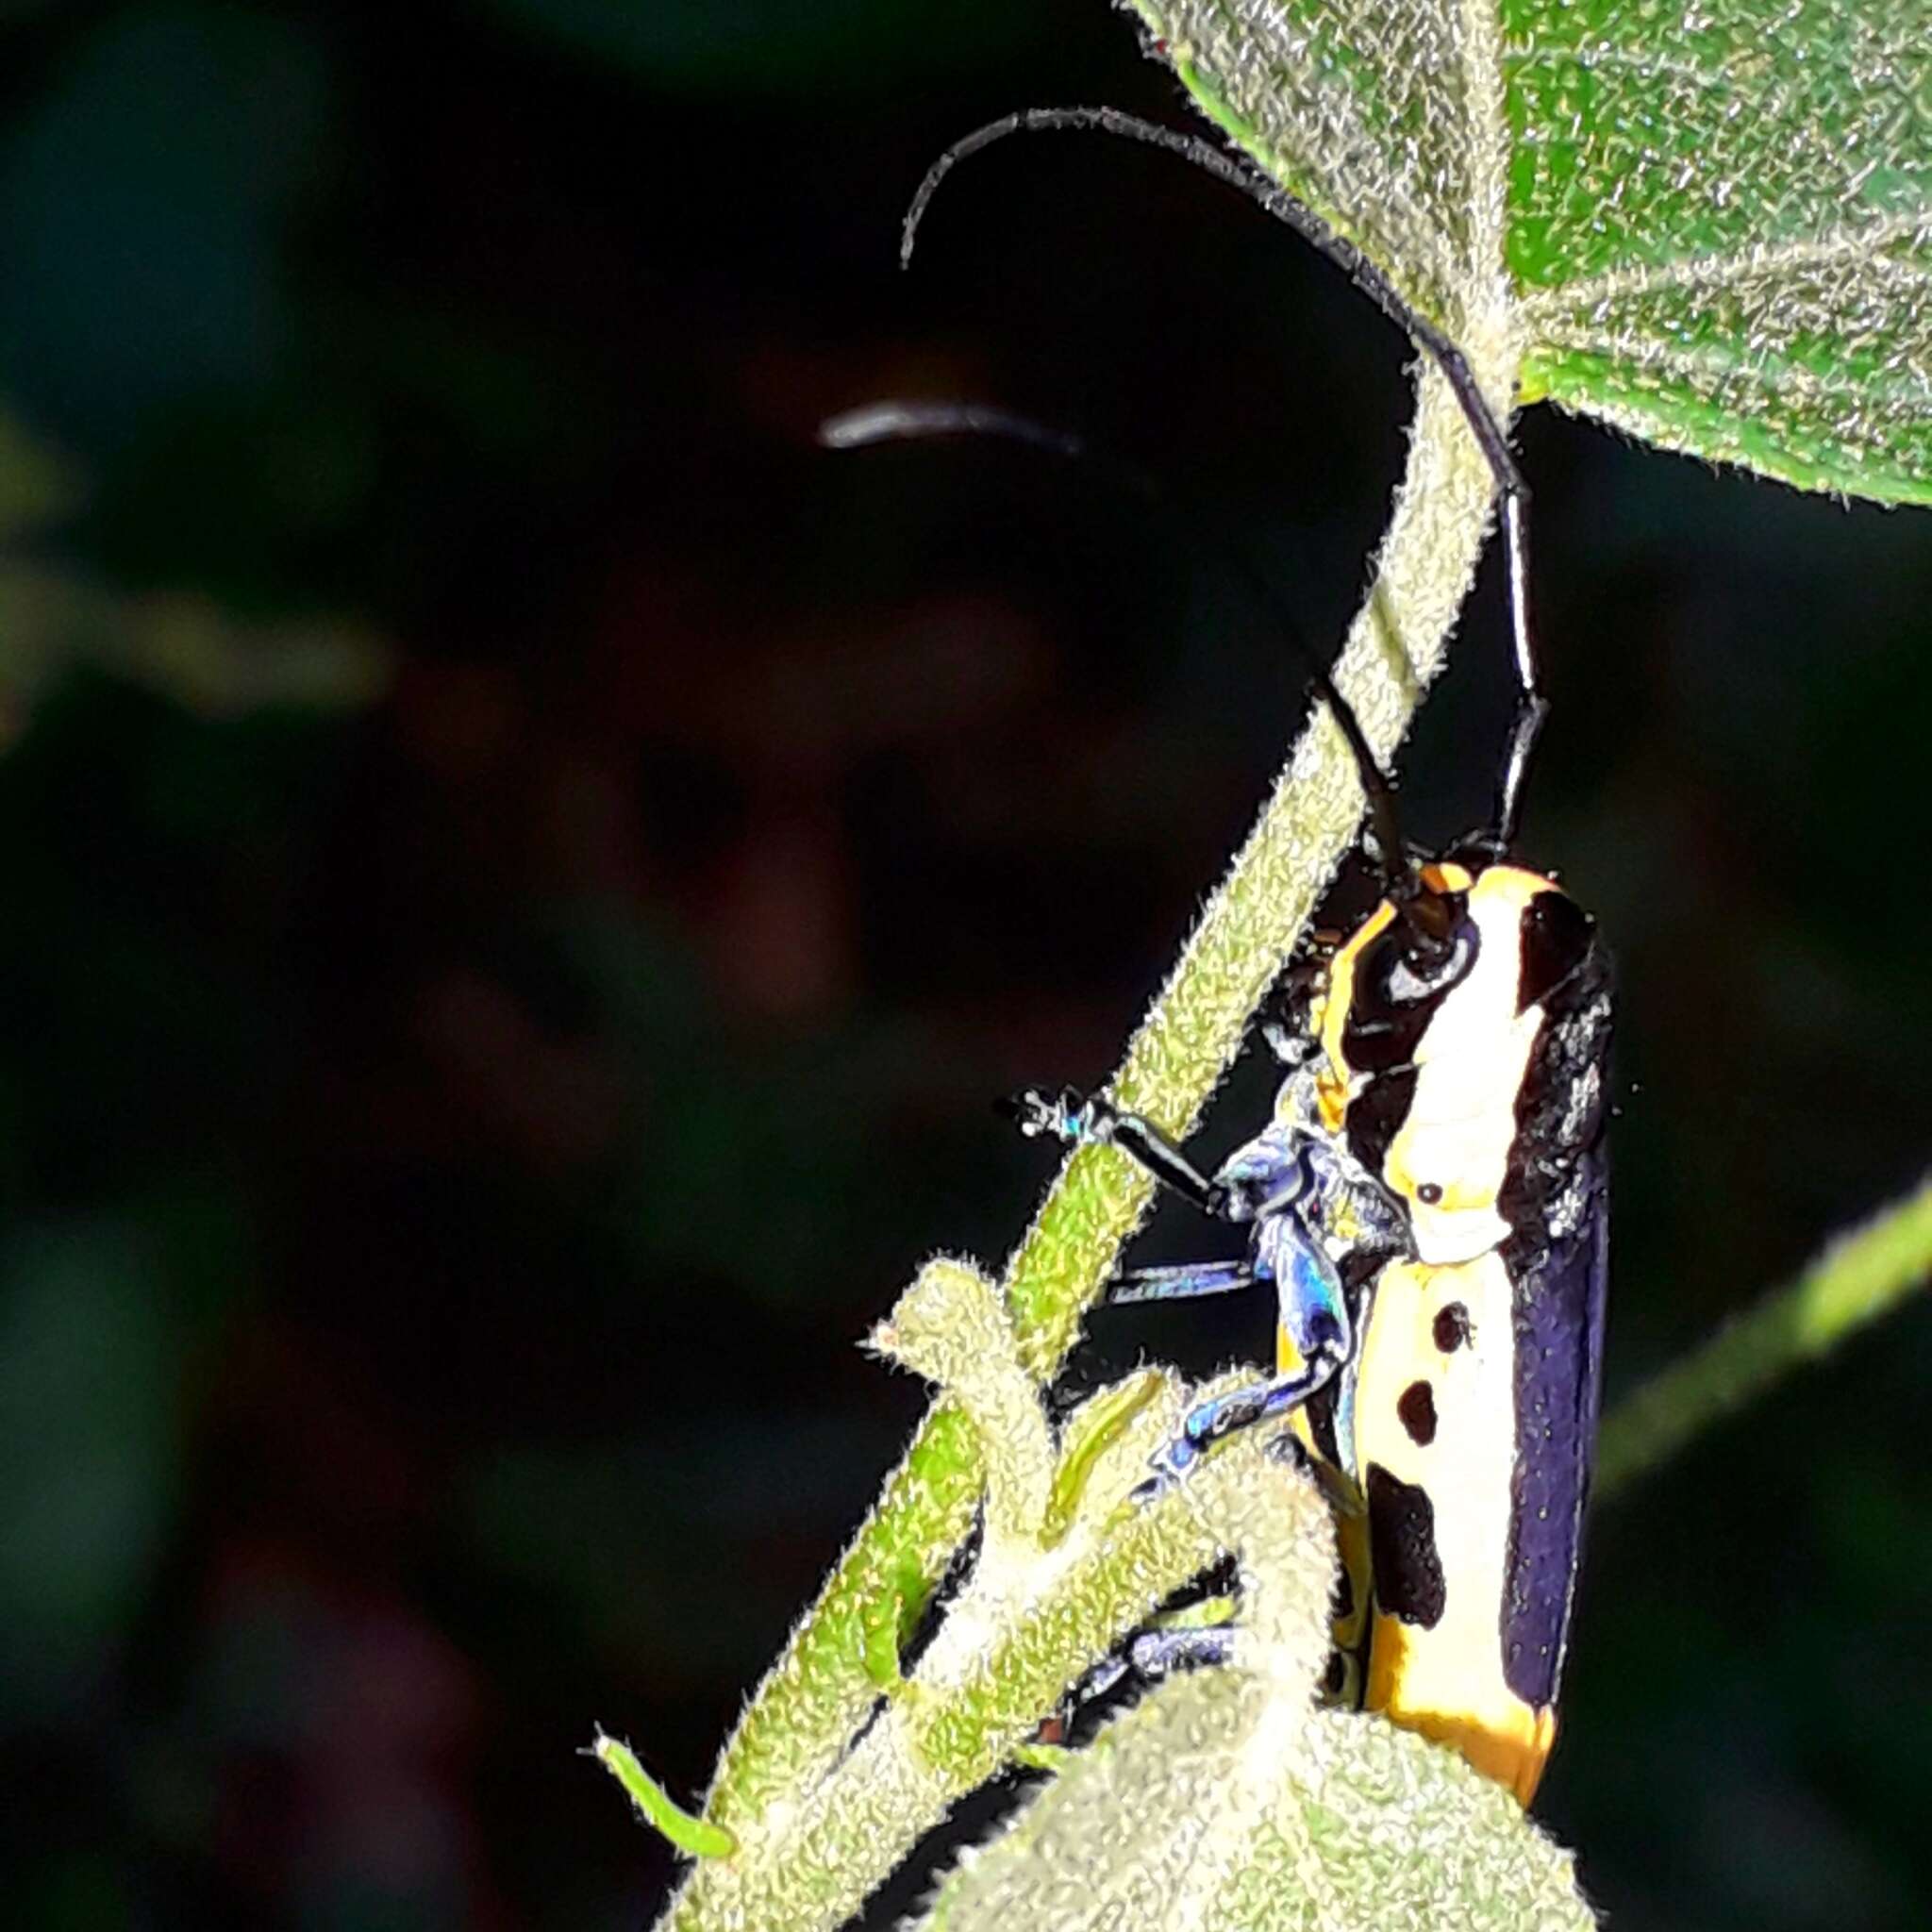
{"x": 1430, "y": 1199}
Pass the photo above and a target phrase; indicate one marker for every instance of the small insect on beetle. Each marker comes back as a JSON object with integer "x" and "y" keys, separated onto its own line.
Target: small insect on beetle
{"x": 1430, "y": 1199}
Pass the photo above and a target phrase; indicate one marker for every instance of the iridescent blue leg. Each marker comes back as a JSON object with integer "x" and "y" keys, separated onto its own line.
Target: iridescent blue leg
{"x": 1240, "y": 1408}
{"x": 1181, "y": 1281}
{"x": 1313, "y": 1316}
{"x": 1155, "y": 1653}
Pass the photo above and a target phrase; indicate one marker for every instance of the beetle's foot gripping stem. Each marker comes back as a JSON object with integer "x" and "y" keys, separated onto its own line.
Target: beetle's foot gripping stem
{"x": 1083, "y": 1120}
{"x": 1069, "y": 1116}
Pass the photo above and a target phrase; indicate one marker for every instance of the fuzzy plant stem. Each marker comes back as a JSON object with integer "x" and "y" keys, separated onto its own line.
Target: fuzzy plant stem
{"x": 803, "y": 1714}
{"x": 1857, "y": 1279}
{"x": 1066, "y": 1562}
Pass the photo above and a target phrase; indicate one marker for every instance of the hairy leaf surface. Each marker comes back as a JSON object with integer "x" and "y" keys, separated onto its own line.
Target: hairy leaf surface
{"x": 1219, "y": 1802}
{"x": 1708, "y": 221}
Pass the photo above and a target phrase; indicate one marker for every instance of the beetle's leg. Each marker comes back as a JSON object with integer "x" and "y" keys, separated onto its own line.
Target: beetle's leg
{"x": 1311, "y": 1318}
{"x": 1155, "y": 1653}
{"x": 1240, "y": 1408}
{"x": 1075, "y": 1119}
{"x": 1166, "y": 1647}
{"x": 1314, "y": 1341}
{"x": 1179, "y": 1282}
{"x": 1353, "y": 1207}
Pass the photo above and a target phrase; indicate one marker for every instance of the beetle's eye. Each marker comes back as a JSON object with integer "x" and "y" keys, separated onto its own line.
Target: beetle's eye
{"x": 1410, "y": 974}
{"x": 1398, "y": 986}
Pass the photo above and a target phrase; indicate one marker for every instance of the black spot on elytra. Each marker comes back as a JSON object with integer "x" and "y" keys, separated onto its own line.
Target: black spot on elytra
{"x": 1450, "y": 1327}
{"x": 1402, "y": 1550}
{"x": 1416, "y": 1405}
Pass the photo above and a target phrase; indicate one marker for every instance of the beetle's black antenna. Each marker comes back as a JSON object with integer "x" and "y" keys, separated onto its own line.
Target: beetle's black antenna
{"x": 908, "y": 422}
{"x": 1491, "y": 435}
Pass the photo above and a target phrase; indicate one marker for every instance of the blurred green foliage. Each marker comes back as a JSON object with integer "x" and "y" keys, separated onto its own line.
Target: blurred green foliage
{"x": 522, "y": 877}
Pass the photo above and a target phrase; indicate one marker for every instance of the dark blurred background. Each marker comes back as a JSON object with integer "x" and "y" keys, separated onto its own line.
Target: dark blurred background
{"x": 522, "y": 877}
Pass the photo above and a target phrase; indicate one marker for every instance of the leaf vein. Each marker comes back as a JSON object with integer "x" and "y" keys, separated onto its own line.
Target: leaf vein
{"x": 1640, "y": 60}
{"x": 1705, "y": 371}
{"x": 1698, "y": 272}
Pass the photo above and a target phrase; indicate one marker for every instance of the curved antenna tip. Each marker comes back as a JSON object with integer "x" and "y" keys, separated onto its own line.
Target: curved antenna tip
{"x": 894, "y": 420}
{"x": 854, "y": 428}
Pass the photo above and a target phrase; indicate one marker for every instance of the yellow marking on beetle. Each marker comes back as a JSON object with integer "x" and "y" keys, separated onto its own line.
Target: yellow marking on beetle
{"x": 1511, "y": 1745}
{"x": 1456, "y": 1135}
{"x": 1334, "y": 1081}
{"x": 1469, "y": 1066}
{"x": 1446, "y": 1680}
{"x": 1445, "y": 875}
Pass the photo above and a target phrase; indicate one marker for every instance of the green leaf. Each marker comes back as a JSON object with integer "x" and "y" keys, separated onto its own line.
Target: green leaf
{"x": 1218, "y": 1802}
{"x": 1722, "y": 227}
{"x": 1095, "y": 1428}
{"x": 1711, "y": 227}
{"x": 1388, "y": 122}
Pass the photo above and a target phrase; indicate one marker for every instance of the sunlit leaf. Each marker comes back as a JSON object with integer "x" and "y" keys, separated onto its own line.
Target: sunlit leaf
{"x": 1710, "y": 225}
{"x": 1219, "y": 1803}
{"x": 1388, "y": 122}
